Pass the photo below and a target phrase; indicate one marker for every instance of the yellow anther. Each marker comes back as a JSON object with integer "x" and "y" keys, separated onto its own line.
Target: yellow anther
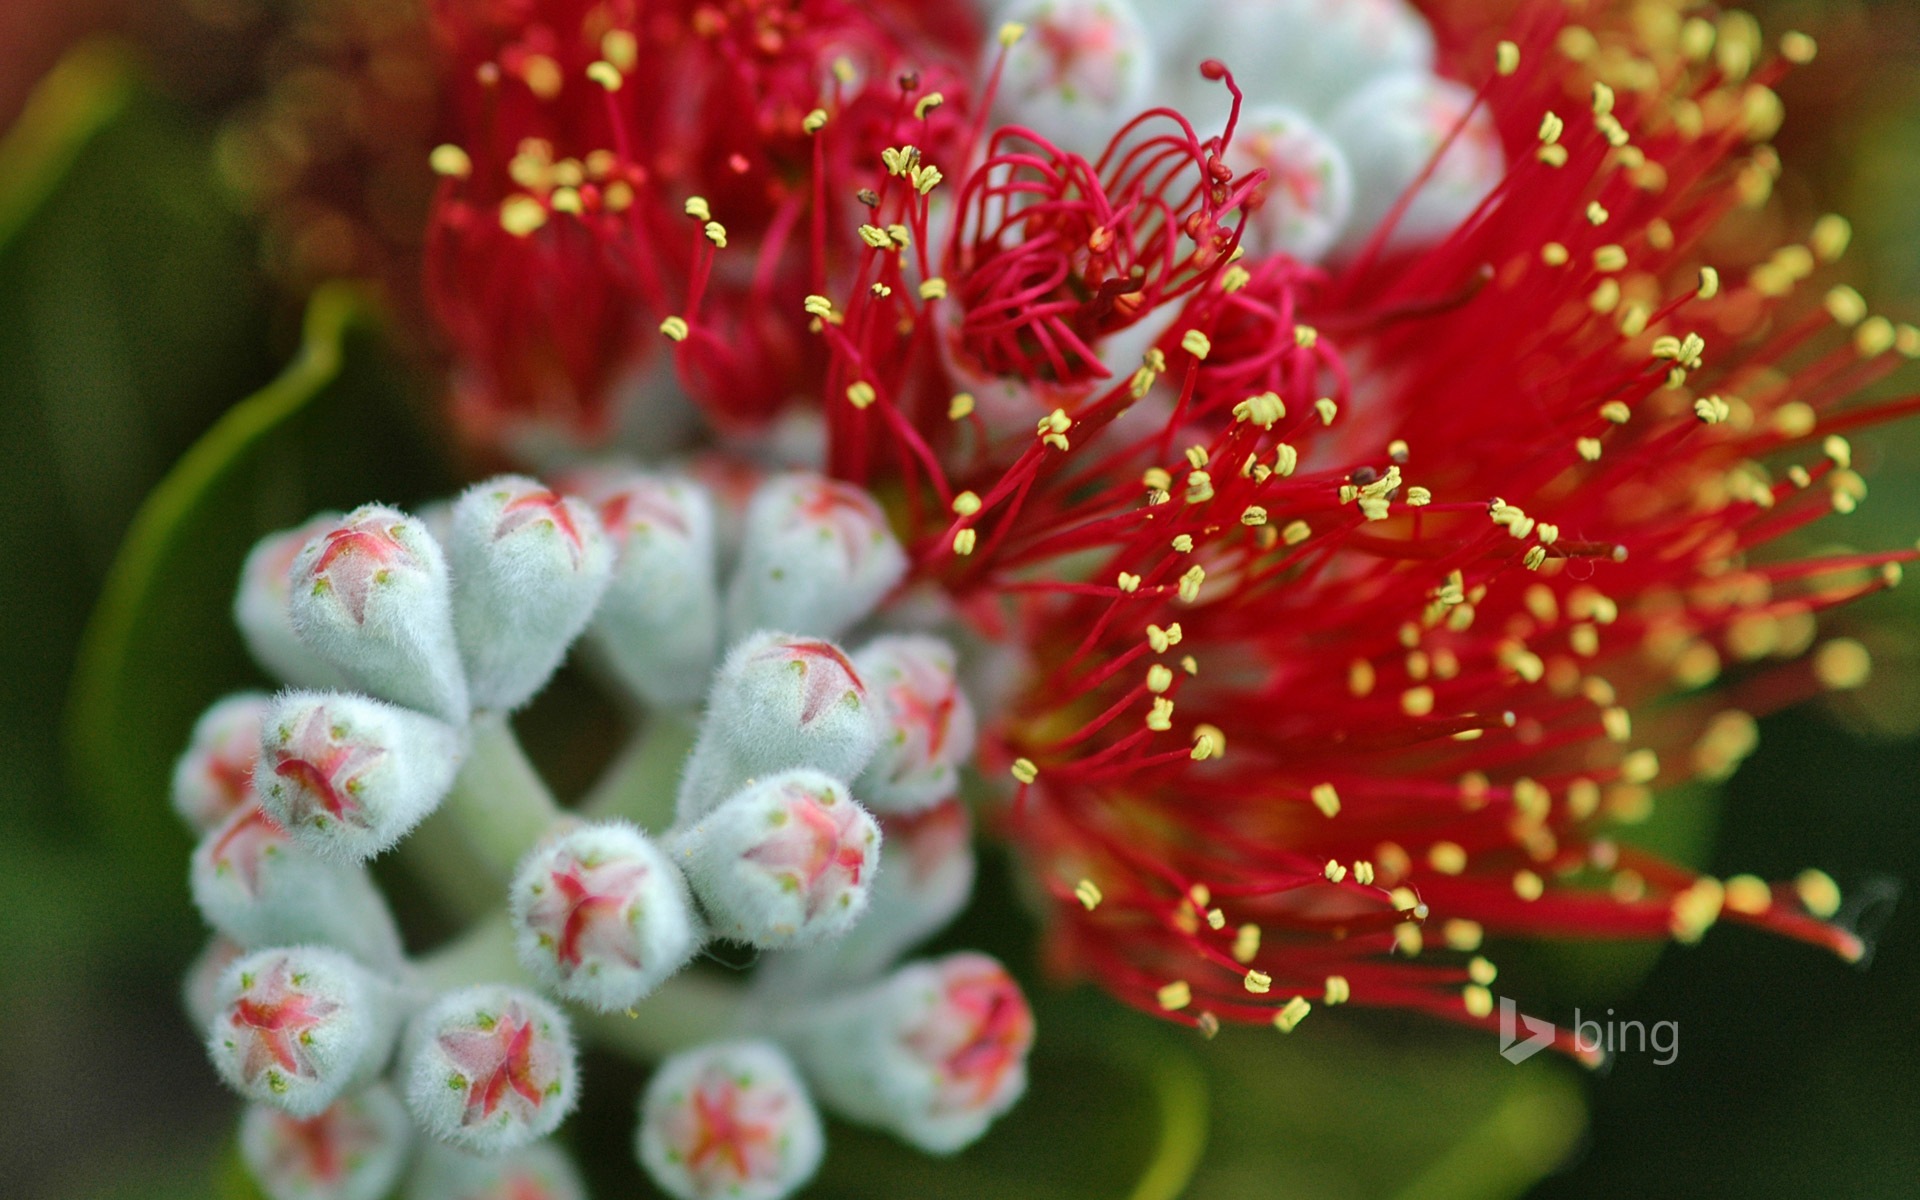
{"x": 1189, "y": 664}
{"x": 542, "y": 76}
{"x": 875, "y": 236}
{"x": 1159, "y": 678}
{"x": 1696, "y": 909}
{"x": 1246, "y": 943}
{"x": 1190, "y": 583}
{"x": 1288, "y": 1019}
{"x": 1846, "y": 306}
{"x": 1462, "y": 935}
{"x": 716, "y": 233}
{"x": 1712, "y": 409}
{"x": 1088, "y": 893}
{"x": 605, "y": 74}
{"x": 1262, "y": 410}
{"x": 1478, "y": 1000}
{"x": 1417, "y": 701}
{"x": 1602, "y": 99}
{"x": 1305, "y": 336}
{"x": 696, "y": 207}
{"x": 522, "y": 215}
{"x": 814, "y": 121}
{"x": 1616, "y": 412}
{"x": 1024, "y": 770}
{"x": 1327, "y": 799}
{"x": 1011, "y": 32}
{"x": 1528, "y": 886}
{"x": 1159, "y": 639}
{"x": 450, "y": 162}
{"x": 565, "y": 200}
{"x": 1363, "y": 873}
{"x": 964, "y": 541}
{"x": 1832, "y": 234}
{"x": 1641, "y": 766}
{"x": 1183, "y": 543}
{"x": 1709, "y": 284}
{"x": 925, "y": 178}
{"x": 1554, "y": 254}
{"x": 1234, "y": 279}
{"x": 1506, "y": 58}
{"x": 675, "y": 328}
{"x": 1196, "y": 343}
{"x": 933, "y": 289}
{"x": 1617, "y": 722}
{"x": 860, "y": 393}
{"x": 1127, "y": 583}
{"x": 1448, "y": 858}
{"x": 1338, "y": 991}
{"x": 1748, "y": 894}
{"x": 1797, "y": 48}
{"x": 1295, "y": 533}
{"x": 1327, "y": 409}
{"x": 818, "y": 306}
{"x": 1175, "y": 996}
{"x": 1259, "y": 982}
{"x": 1818, "y": 893}
{"x": 1842, "y": 664}
{"x": 1553, "y": 156}
{"x": 1551, "y": 127}
{"x": 1254, "y": 515}
{"x": 960, "y": 407}
{"x": 1596, "y": 213}
{"x": 1334, "y": 872}
{"x": 1839, "y": 450}
{"x": 927, "y": 104}
{"x": 1285, "y": 460}
{"x": 1160, "y": 716}
{"x": 1874, "y": 337}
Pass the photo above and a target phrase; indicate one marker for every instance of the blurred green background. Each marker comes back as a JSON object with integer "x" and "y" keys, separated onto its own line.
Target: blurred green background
{"x": 142, "y": 296}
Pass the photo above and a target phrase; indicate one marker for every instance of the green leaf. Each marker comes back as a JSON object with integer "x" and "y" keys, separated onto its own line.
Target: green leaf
{"x": 83, "y": 94}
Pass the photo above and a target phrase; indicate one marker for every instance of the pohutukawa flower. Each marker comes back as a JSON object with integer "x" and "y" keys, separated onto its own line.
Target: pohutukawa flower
{"x": 815, "y": 557}
{"x": 787, "y": 861}
{"x": 296, "y": 1027}
{"x": 260, "y": 608}
{"x": 354, "y": 1150}
{"x": 541, "y": 1171}
{"x": 371, "y": 595}
{"x": 659, "y": 622}
{"x": 348, "y": 776}
{"x": 730, "y": 1119}
{"x": 929, "y": 724}
{"x": 215, "y": 775}
{"x": 490, "y": 1068}
{"x": 779, "y": 701}
{"x": 529, "y": 567}
{"x": 251, "y": 882}
{"x": 932, "y": 1054}
{"x": 601, "y": 916}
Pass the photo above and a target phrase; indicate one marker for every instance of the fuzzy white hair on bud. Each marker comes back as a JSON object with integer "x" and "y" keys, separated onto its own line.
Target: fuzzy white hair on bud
{"x": 1304, "y": 205}
{"x": 816, "y": 556}
{"x": 529, "y": 567}
{"x": 658, "y": 625}
{"x": 213, "y": 779}
{"x": 1081, "y": 65}
{"x": 779, "y": 701}
{"x": 1390, "y": 131}
{"x": 541, "y": 1171}
{"x": 348, "y": 776}
{"x": 787, "y": 861}
{"x": 927, "y": 724}
{"x": 372, "y": 595}
{"x": 601, "y": 916}
{"x": 355, "y": 1150}
{"x": 924, "y": 878}
{"x": 252, "y": 883}
{"x": 730, "y": 1119}
{"x": 261, "y": 608}
{"x": 933, "y": 1053}
{"x": 200, "y": 987}
{"x": 295, "y": 1027}
{"x": 490, "y": 1068}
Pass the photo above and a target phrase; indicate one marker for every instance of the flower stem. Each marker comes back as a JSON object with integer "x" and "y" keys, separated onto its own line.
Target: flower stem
{"x": 499, "y": 802}
{"x": 640, "y": 784}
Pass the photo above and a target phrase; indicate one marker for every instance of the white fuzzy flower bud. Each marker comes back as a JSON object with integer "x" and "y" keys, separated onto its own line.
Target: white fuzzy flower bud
{"x": 1082, "y": 69}
{"x": 787, "y": 861}
{"x": 1390, "y": 130}
{"x": 542, "y": 1171}
{"x": 372, "y": 596}
{"x": 816, "y": 557}
{"x": 261, "y": 609}
{"x": 252, "y": 883}
{"x": 659, "y": 623}
{"x": 355, "y": 1150}
{"x": 1303, "y": 206}
{"x": 528, "y": 570}
{"x": 928, "y": 725}
{"x": 601, "y": 916}
{"x": 200, "y": 989}
{"x": 297, "y": 1026}
{"x": 490, "y": 1068}
{"x": 779, "y": 701}
{"x": 933, "y": 1054}
{"x": 924, "y": 878}
{"x": 348, "y": 776}
{"x": 1307, "y": 54}
{"x": 214, "y": 777}
{"x": 729, "y": 1120}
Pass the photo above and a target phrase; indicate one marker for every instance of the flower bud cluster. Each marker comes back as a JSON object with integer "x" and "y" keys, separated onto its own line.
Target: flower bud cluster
{"x": 405, "y": 641}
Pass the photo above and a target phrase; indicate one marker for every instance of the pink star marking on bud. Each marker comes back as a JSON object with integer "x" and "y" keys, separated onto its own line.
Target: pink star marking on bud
{"x": 325, "y": 773}
{"x": 274, "y": 1017}
{"x": 1078, "y": 53}
{"x": 843, "y": 513}
{"x": 245, "y": 842}
{"x": 825, "y": 673}
{"x": 642, "y": 506}
{"x": 728, "y": 1133}
{"x": 585, "y": 906}
{"x": 980, "y": 1033}
{"x": 356, "y": 557}
{"x": 536, "y": 507}
{"x": 497, "y": 1062}
{"x": 925, "y": 701}
{"x": 815, "y": 849}
{"x": 321, "y": 1148}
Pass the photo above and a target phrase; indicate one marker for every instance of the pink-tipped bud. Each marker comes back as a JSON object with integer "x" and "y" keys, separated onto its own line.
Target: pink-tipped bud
{"x": 925, "y": 876}
{"x": 817, "y": 556}
{"x": 1390, "y": 131}
{"x": 542, "y": 1171}
{"x": 355, "y": 1150}
{"x": 252, "y": 883}
{"x": 200, "y": 990}
{"x": 787, "y": 861}
{"x": 933, "y": 1054}
{"x": 490, "y": 1068}
{"x": 1302, "y": 208}
{"x": 371, "y": 595}
{"x": 601, "y": 916}
{"x": 659, "y": 623}
{"x": 927, "y": 722}
{"x": 729, "y": 1120}
{"x": 297, "y": 1026}
{"x": 348, "y": 776}
{"x": 214, "y": 778}
{"x": 1082, "y": 69}
{"x": 261, "y": 608}
{"x": 779, "y": 701}
{"x": 529, "y": 567}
